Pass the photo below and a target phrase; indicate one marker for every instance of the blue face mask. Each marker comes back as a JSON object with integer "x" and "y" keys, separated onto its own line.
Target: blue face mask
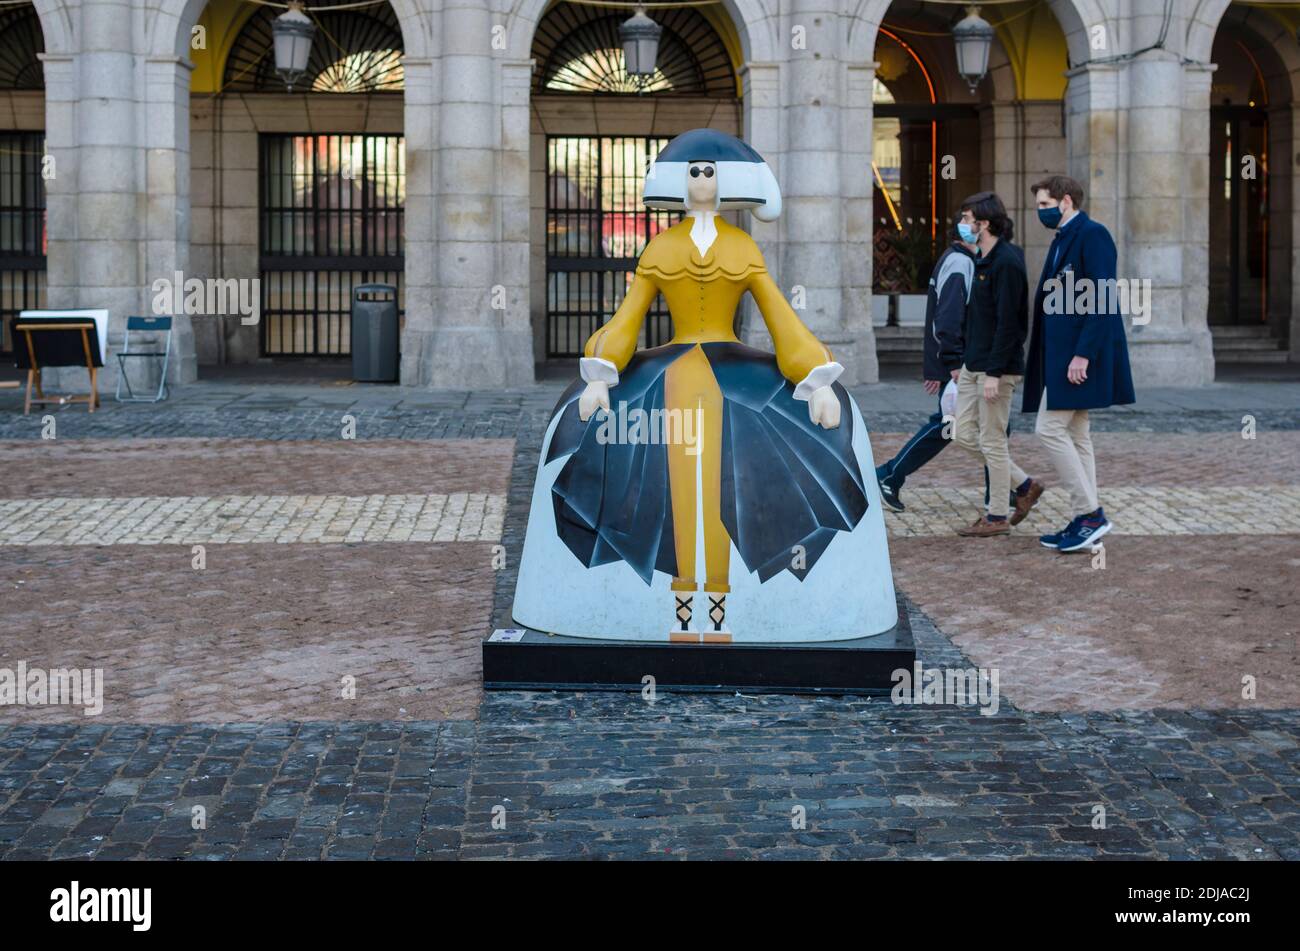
{"x": 1050, "y": 217}
{"x": 967, "y": 233}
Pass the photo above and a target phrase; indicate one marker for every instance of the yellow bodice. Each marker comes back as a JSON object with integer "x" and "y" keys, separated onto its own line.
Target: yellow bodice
{"x": 702, "y": 293}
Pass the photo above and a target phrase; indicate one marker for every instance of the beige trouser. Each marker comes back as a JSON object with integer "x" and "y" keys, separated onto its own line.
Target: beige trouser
{"x": 1067, "y": 437}
{"x": 981, "y": 429}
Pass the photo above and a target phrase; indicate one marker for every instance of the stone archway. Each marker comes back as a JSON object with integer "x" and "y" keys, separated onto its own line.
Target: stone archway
{"x": 593, "y": 132}
{"x": 528, "y": 129}
{"x": 1000, "y": 137}
{"x": 1253, "y": 313}
{"x": 169, "y": 65}
{"x": 56, "y": 25}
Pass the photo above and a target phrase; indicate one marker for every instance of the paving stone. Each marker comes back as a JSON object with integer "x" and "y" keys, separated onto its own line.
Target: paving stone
{"x": 695, "y": 777}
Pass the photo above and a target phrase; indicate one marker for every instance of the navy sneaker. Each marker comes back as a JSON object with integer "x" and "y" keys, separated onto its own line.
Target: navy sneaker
{"x": 1054, "y": 540}
{"x": 889, "y": 494}
{"x": 1087, "y": 531}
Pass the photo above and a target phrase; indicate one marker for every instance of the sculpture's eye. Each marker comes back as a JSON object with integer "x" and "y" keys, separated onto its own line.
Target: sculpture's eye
{"x": 705, "y": 170}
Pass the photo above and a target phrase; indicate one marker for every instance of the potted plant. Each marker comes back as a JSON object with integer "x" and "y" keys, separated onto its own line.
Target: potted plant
{"x": 903, "y": 269}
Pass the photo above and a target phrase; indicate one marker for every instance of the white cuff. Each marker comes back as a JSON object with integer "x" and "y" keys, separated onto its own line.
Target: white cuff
{"x": 817, "y": 377}
{"x": 598, "y": 370}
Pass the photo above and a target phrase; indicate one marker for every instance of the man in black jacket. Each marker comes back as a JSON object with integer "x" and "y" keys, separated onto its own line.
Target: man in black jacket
{"x": 945, "y": 313}
{"x": 997, "y": 323}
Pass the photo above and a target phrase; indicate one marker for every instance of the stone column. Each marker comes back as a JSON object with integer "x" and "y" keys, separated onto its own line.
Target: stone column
{"x": 1021, "y": 142}
{"x": 419, "y": 120}
{"x": 1281, "y": 217}
{"x": 1291, "y": 172}
{"x": 1165, "y": 351}
{"x": 110, "y": 211}
{"x": 761, "y": 101}
{"x": 1093, "y": 136}
{"x": 1195, "y": 165}
{"x": 812, "y": 183}
{"x": 514, "y": 177}
{"x": 857, "y": 247}
{"x": 470, "y": 343}
{"x": 1133, "y": 126}
{"x": 61, "y": 190}
{"x": 167, "y": 199}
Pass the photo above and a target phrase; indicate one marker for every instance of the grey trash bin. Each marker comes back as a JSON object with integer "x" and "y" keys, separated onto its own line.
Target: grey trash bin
{"x": 374, "y": 333}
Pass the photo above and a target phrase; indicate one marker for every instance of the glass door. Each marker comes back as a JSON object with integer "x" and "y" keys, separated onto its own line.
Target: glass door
{"x": 22, "y": 228}
{"x": 333, "y": 211}
{"x": 1238, "y": 252}
{"x": 596, "y": 228}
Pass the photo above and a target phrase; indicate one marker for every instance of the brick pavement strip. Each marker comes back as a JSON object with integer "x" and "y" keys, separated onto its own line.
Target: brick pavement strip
{"x": 1134, "y": 510}
{"x": 118, "y": 468}
{"x": 266, "y": 633}
{"x": 460, "y": 517}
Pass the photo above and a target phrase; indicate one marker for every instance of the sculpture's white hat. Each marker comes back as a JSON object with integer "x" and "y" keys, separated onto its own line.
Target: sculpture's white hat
{"x": 744, "y": 179}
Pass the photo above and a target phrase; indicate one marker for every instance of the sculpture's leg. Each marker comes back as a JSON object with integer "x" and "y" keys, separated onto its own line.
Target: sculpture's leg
{"x": 695, "y": 451}
{"x": 717, "y": 543}
{"x": 681, "y": 393}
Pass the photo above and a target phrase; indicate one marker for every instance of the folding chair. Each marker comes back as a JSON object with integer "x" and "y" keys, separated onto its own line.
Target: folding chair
{"x": 145, "y": 325}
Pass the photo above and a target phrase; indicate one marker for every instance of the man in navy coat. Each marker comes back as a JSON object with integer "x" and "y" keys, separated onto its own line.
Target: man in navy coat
{"x": 1078, "y": 353}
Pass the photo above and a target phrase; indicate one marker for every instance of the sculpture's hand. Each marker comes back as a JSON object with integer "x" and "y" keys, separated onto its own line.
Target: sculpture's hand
{"x": 596, "y": 395}
{"x": 824, "y": 408}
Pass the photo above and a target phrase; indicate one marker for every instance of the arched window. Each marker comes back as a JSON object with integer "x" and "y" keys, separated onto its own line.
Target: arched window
{"x": 332, "y": 204}
{"x": 354, "y": 51}
{"x": 20, "y": 42}
{"x": 577, "y": 50}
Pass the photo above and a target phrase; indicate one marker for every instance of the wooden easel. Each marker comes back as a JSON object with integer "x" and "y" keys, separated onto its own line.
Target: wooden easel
{"x": 34, "y": 371}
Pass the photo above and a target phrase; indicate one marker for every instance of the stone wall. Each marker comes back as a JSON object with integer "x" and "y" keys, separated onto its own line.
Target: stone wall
{"x": 119, "y": 118}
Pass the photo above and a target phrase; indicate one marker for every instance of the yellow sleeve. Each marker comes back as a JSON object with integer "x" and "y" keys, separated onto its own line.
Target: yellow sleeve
{"x": 797, "y": 350}
{"x": 616, "y": 340}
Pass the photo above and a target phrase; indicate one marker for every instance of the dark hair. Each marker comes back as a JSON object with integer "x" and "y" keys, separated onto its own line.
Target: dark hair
{"x": 1058, "y": 186}
{"x": 987, "y": 206}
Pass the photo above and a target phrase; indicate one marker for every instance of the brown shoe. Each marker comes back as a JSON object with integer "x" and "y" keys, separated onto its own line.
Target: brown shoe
{"x": 983, "y": 528}
{"x": 1027, "y": 501}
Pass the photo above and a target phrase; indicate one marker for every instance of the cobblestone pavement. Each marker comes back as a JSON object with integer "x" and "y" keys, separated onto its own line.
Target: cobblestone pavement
{"x": 279, "y": 412}
{"x": 322, "y": 700}
{"x": 688, "y": 777}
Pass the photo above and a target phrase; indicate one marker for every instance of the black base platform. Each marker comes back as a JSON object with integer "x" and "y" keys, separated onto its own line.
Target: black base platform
{"x": 538, "y": 661}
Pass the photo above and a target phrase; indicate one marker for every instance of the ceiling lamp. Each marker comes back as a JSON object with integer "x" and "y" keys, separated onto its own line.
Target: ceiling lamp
{"x": 973, "y": 37}
{"x": 292, "y": 32}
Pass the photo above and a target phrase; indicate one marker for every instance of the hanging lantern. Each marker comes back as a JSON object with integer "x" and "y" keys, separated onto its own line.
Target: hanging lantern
{"x": 973, "y": 37}
{"x": 292, "y": 32}
{"x": 640, "y": 36}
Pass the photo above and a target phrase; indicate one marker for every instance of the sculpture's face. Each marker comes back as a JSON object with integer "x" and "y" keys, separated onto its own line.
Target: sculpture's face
{"x": 702, "y": 186}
